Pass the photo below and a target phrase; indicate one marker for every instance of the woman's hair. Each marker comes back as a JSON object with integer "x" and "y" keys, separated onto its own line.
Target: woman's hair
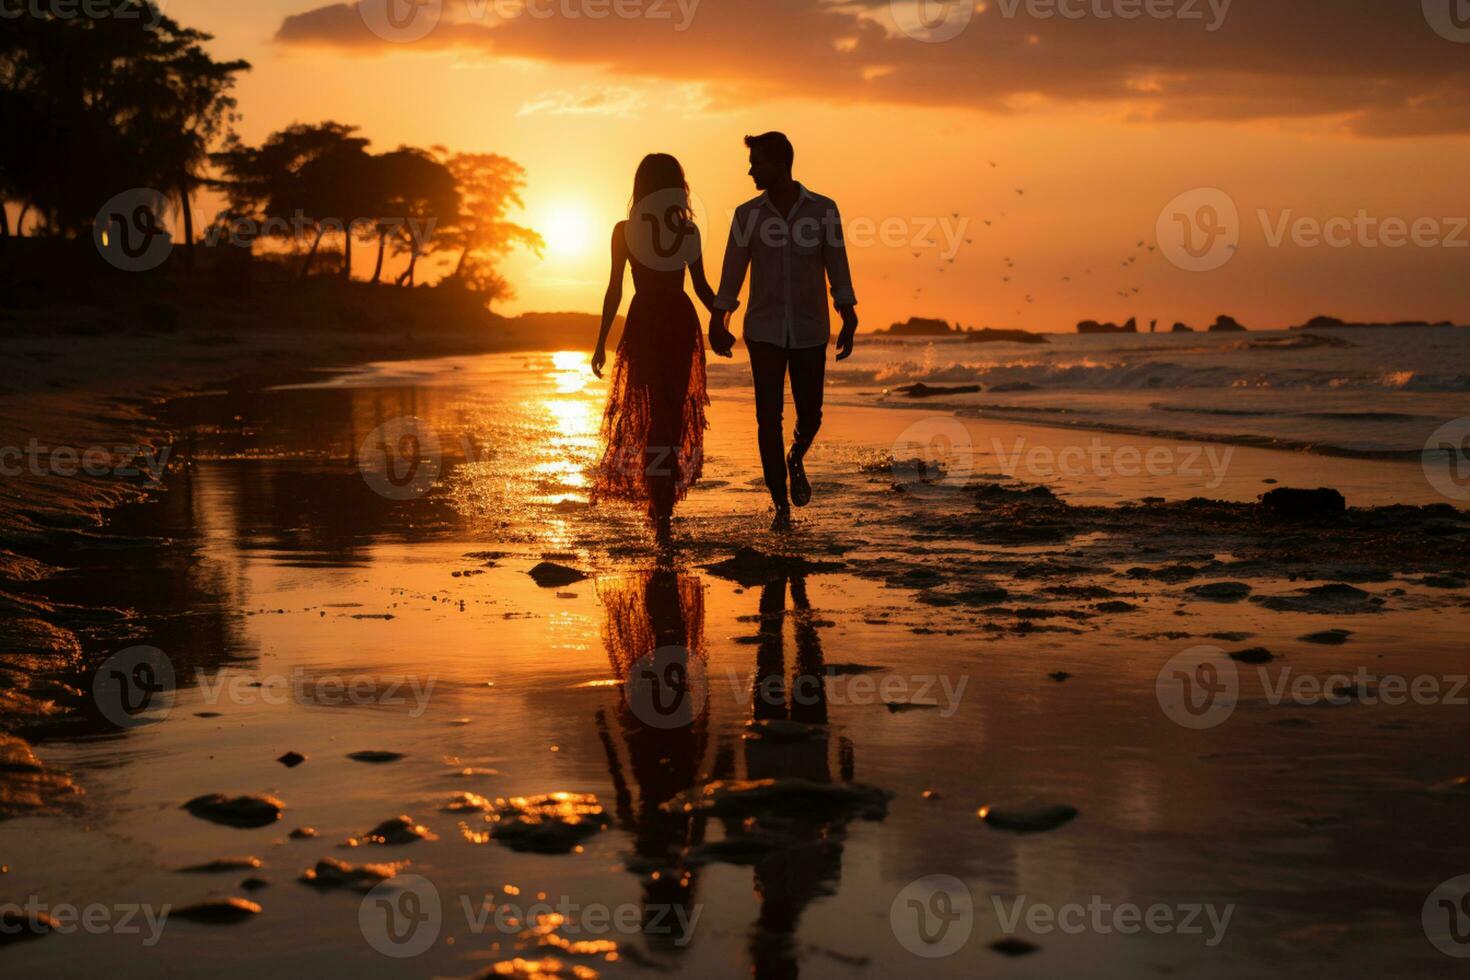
{"x": 661, "y": 172}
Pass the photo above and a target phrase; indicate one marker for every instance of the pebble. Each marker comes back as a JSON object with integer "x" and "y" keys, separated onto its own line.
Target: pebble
{"x": 1032, "y": 820}
{"x": 1220, "y": 591}
{"x": 1255, "y": 655}
{"x": 218, "y": 911}
{"x": 16, "y": 925}
{"x": 236, "y": 811}
{"x": 553, "y": 823}
{"x": 550, "y": 574}
{"x": 396, "y": 830}
{"x": 224, "y": 864}
{"x": 784, "y": 796}
{"x": 1333, "y": 637}
{"x": 331, "y": 873}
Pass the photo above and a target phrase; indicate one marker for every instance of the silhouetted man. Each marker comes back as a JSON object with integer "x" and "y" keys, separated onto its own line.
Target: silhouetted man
{"x": 791, "y": 240}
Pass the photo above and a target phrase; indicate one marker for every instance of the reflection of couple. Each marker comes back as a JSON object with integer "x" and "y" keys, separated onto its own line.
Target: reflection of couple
{"x": 650, "y": 765}
{"x": 791, "y": 240}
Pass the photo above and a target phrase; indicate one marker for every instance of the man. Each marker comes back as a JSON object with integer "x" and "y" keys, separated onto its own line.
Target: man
{"x": 791, "y": 240}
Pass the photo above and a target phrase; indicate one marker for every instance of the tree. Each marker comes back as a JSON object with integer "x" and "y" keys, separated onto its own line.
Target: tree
{"x": 92, "y": 106}
{"x": 308, "y": 179}
{"x": 489, "y": 185}
{"x": 420, "y": 205}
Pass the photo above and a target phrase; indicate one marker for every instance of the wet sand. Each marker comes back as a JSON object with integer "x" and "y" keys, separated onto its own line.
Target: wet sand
{"x": 1036, "y": 625}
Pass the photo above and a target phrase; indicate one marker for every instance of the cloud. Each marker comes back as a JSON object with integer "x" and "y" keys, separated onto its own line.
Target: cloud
{"x": 619, "y": 101}
{"x": 1381, "y": 68}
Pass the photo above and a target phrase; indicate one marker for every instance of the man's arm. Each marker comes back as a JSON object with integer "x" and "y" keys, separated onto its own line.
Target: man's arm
{"x": 839, "y": 277}
{"x": 732, "y": 279}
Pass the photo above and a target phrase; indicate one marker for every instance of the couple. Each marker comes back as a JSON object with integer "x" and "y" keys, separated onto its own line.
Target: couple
{"x": 791, "y": 240}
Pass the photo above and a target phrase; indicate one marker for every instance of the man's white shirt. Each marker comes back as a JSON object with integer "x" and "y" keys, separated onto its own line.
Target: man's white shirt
{"x": 791, "y": 258}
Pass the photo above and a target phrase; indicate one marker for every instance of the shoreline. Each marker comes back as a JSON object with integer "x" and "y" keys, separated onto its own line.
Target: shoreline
{"x": 52, "y": 402}
{"x": 86, "y": 378}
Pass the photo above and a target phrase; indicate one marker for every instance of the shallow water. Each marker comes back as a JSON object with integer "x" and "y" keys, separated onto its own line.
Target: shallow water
{"x": 271, "y": 560}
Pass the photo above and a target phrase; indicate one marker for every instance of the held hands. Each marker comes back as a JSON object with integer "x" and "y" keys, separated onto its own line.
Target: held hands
{"x": 599, "y": 358}
{"x": 721, "y": 340}
{"x": 848, "y": 333}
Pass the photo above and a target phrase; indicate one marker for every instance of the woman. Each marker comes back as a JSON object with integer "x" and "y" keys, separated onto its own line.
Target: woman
{"x": 654, "y": 424}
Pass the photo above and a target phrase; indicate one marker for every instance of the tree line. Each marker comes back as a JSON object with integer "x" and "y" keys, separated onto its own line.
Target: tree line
{"x": 126, "y": 97}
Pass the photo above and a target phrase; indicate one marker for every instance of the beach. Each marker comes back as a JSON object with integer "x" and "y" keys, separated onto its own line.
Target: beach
{"x": 996, "y": 613}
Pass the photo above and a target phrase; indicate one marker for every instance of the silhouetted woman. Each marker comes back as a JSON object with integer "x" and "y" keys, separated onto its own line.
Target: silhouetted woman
{"x": 653, "y": 428}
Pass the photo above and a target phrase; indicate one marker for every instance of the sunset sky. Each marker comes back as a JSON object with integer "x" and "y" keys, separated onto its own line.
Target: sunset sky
{"x": 1319, "y": 108}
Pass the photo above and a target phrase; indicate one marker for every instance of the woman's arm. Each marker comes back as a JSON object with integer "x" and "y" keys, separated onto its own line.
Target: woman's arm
{"x": 701, "y": 281}
{"x": 613, "y": 299}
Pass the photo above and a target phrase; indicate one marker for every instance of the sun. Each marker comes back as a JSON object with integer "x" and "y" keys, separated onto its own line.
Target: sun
{"x": 567, "y": 229}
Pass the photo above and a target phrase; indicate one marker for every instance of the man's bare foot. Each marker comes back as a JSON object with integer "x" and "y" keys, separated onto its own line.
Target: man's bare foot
{"x": 801, "y": 488}
{"x": 782, "y": 521}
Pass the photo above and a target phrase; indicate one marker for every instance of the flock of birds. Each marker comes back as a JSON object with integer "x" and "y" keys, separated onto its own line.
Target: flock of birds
{"x": 1009, "y": 278}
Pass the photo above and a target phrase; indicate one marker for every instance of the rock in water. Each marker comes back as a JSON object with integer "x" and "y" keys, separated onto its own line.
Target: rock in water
{"x": 845, "y": 670}
{"x": 550, "y": 574}
{"x": 1324, "y": 600}
{"x": 224, "y": 864}
{"x": 1291, "y": 504}
{"x": 1220, "y": 591}
{"x": 1011, "y": 946}
{"x": 397, "y": 830}
{"x": 554, "y": 823}
{"x": 1255, "y": 655}
{"x": 787, "y": 796}
{"x": 751, "y": 567}
{"x": 16, "y": 925}
{"x": 894, "y": 707}
{"x": 291, "y": 760}
{"x": 218, "y": 911}
{"x": 26, "y": 785}
{"x": 468, "y": 803}
{"x": 782, "y": 730}
{"x": 1331, "y": 638}
{"x": 236, "y": 811}
{"x": 331, "y": 873}
{"x": 374, "y": 755}
{"x": 1028, "y": 820}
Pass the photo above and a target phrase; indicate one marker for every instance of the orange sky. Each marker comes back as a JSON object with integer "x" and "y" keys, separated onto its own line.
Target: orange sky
{"x": 1295, "y": 107}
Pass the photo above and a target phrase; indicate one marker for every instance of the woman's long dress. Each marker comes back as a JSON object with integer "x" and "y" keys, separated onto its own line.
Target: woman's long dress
{"x": 653, "y": 429}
